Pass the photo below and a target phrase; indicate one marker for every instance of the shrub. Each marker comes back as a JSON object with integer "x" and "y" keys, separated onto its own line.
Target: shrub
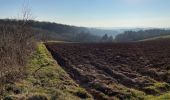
{"x": 16, "y": 45}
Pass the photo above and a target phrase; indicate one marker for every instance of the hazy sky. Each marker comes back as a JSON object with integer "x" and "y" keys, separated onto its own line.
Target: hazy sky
{"x": 95, "y": 13}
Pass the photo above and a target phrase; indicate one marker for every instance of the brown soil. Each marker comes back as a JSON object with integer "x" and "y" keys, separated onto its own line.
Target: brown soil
{"x": 97, "y": 67}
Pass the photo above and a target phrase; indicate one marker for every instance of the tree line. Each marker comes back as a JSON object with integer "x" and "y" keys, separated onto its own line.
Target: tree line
{"x": 53, "y": 31}
{"x": 130, "y": 36}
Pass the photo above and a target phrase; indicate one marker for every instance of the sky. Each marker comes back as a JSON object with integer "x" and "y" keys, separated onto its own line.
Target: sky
{"x": 94, "y": 13}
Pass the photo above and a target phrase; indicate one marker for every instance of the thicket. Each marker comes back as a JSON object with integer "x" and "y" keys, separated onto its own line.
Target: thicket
{"x": 17, "y": 43}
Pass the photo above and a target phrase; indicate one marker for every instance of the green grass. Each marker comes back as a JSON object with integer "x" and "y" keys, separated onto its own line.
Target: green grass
{"x": 129, "y": 93}
{"x": 156, "y": 38}
{"x": 158, "y": 87}
{"x": 133, "y": 94}
{"x": 47, "y": 79}
{"x": 165, "y": 96}
{"x": 161, "y": 95}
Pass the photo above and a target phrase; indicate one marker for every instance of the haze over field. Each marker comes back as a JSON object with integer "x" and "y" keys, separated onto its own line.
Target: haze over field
{"x": 95, "y": 13}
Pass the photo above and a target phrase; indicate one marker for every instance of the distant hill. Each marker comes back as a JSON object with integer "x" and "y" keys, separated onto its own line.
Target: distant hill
{"x": 55, "y": 31}
{"x": 131, "y": 36}
{"x": 48, "y": 31}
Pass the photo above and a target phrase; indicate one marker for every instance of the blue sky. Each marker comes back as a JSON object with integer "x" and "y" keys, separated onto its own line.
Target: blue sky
{"x": 94, "y": 13}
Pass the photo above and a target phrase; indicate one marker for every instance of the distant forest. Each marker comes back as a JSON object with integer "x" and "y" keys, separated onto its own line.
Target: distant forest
{"x": 48, "y": 31}
{"x": 131, "y": 36}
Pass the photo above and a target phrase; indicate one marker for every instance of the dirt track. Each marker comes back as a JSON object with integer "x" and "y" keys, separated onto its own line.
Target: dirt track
{"x": 108, "y": 68}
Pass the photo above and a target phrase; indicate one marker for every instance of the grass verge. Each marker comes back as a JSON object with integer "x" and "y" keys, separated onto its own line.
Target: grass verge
{"x": 45, "y": 80}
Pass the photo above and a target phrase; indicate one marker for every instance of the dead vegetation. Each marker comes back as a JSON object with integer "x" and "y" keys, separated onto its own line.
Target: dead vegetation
{"x": 16, "y": 45}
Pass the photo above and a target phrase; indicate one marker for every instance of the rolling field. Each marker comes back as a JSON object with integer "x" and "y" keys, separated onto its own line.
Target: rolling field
{"x": 157, "y": 38}
{"x": 125, "y": 71}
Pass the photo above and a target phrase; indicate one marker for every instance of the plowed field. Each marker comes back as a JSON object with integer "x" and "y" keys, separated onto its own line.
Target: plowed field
{"x": 117, "y": 70}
